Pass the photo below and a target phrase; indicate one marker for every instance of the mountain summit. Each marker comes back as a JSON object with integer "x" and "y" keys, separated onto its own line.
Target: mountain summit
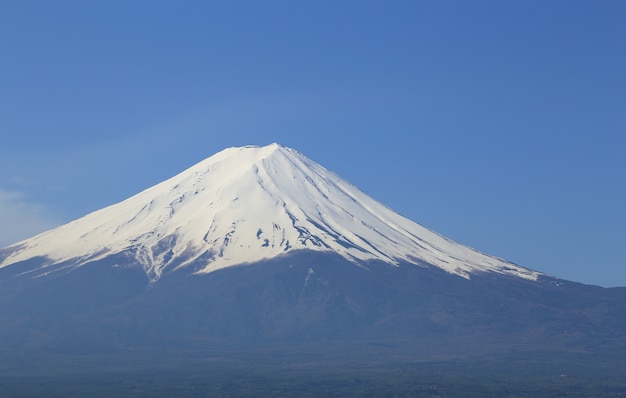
{"x": 247, "y": 204}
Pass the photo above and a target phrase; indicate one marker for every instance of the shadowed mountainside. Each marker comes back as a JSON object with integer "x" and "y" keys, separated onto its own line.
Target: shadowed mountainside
{"x": 305, "y": 298}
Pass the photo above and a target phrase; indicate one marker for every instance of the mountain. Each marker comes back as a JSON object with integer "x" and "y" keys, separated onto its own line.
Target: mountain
{"x": 262, "y": 247}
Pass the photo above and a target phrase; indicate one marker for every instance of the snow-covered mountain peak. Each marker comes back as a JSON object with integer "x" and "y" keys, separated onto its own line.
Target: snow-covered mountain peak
{"x": 247, "y": 204}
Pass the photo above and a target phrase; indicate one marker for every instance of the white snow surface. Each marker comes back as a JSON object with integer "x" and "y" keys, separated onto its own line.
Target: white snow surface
{"x": 246, "y": 204}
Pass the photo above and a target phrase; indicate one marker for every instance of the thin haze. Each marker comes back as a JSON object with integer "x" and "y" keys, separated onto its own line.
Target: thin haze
{"x": 498, "y": 124}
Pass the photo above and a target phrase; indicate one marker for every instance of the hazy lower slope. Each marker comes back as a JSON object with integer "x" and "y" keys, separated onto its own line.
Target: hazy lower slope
{"x": 305, "y": 298}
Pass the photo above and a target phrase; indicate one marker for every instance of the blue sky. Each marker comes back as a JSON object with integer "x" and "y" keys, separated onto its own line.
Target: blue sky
{"x": 500, "y": 124}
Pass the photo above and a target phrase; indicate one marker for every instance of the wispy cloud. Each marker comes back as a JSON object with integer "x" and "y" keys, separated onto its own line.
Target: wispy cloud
{"x": 20, "y": 218}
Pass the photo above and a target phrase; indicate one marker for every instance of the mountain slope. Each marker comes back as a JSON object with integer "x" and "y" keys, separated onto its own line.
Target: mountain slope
{"x": 304, "y": 298}
{"x": 244, "y": 205}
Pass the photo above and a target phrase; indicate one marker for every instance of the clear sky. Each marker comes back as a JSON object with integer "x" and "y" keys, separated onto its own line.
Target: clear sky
{"x": 500, "y": 124}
